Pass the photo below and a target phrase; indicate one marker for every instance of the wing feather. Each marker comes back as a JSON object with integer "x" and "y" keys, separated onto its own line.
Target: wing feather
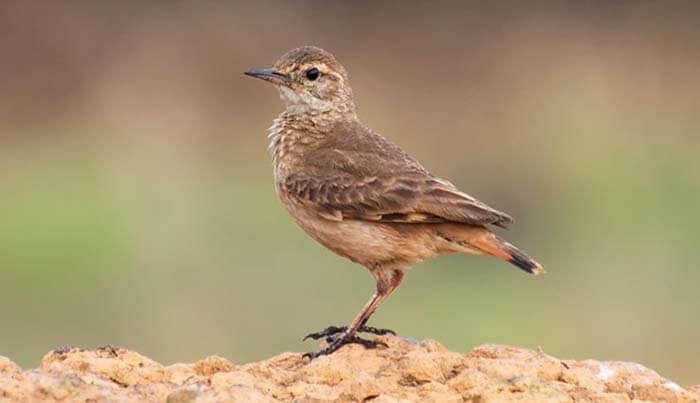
{"x": 360, "y": 175}
{"x": 392, "y": 199}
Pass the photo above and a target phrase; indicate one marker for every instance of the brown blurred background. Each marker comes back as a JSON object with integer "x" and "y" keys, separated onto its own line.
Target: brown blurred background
{"x": 136, "y": 197}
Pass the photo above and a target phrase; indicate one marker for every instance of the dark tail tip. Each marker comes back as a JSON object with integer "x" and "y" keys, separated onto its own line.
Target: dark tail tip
{"x": 524, "y": 261}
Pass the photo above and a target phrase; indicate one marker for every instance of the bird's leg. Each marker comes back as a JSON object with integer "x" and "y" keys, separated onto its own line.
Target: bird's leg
{"x": 387, "y": 281}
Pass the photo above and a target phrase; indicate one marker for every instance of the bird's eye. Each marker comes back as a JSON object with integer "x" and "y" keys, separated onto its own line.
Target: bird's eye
{"x": 312, "y": 73}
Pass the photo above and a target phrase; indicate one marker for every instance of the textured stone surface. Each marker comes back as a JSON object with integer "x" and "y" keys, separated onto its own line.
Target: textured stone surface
{"x": 401, "y": 372}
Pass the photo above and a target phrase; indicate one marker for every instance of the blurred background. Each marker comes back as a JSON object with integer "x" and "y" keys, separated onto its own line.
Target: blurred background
{"x": 136, "y": 195}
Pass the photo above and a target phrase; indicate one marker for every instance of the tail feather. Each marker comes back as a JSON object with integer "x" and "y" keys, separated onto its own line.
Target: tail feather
{"x": 496, "y": 246}
{"x": 481, "y": 241}
{"x": 522, "y": 260}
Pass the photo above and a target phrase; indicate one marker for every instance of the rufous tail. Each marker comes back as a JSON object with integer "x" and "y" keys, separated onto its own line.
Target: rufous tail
{"x": 480, "y": 240}
{"x": 496, "y": 246}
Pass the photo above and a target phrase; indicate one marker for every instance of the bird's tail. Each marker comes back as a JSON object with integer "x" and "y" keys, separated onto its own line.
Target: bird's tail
{"x": 479, "y": 240}
{"x": 496, "y": 246}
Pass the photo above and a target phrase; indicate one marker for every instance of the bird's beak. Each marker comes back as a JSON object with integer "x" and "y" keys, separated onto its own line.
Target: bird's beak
{"x": 270, "y": 75}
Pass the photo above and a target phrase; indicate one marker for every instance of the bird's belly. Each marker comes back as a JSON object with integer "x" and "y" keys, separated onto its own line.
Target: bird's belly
{"x": 368, "y": 243}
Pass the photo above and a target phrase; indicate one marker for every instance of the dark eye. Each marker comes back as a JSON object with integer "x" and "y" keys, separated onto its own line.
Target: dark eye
{"x": 312, "y": 73}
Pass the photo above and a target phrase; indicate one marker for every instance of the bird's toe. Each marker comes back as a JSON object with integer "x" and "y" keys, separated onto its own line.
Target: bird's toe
{"x": 330, "y": 331}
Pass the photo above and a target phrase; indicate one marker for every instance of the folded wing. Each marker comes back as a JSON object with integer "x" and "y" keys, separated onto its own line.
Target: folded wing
{"x": 361, "y": 186}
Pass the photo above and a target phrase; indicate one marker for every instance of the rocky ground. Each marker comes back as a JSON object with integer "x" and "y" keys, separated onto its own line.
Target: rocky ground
{"x": 401, "y": 372}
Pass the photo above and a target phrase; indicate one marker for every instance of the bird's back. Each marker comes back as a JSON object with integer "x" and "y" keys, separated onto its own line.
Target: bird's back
{"x": 353, "y": 148}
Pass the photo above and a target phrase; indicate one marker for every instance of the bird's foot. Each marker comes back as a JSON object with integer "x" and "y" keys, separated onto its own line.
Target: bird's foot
{"x": 335, "y": 341}
{"x": 327, "y": 332}
{"x": 332, "y": 331}
{"x": 376, "y": 330}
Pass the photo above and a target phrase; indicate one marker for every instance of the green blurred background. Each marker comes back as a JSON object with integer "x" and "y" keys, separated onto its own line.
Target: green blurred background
{"x": 136, "y": 198}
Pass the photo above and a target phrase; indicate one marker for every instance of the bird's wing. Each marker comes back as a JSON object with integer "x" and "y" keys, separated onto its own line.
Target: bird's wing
{"x": 350, "y": 184}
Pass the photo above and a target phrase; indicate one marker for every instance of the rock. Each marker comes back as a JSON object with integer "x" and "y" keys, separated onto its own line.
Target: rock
{"x": 403, "y": 371}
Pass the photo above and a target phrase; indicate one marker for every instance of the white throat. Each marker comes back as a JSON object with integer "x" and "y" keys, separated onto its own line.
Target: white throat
{"x": 302, "y": 103}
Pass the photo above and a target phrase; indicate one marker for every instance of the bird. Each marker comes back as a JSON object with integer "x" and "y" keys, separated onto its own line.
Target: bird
{"x": 362, "y": 196}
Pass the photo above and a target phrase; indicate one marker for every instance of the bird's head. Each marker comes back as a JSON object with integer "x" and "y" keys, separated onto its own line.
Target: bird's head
{"x": 311, "y": 80}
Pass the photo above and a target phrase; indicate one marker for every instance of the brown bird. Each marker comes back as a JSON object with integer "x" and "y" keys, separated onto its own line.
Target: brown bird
{"x": 360, "y": 195}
